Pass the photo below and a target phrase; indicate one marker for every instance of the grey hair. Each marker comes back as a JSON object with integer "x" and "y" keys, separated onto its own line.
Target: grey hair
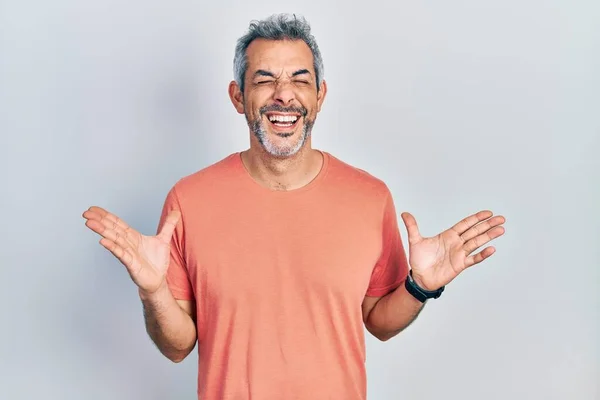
{"x": 276, "y": 27}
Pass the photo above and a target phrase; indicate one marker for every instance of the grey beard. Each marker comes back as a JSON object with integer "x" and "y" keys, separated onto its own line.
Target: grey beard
{"x": 277, "y": 151}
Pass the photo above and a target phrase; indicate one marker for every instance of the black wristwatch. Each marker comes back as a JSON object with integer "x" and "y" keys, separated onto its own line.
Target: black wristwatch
{"x": 418, "y": 292}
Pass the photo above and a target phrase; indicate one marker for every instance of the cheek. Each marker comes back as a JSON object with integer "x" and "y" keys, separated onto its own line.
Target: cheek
{"x": 309, "y": 101}
{"x": 251, "y": 108}
{"x": 313, "y": 109}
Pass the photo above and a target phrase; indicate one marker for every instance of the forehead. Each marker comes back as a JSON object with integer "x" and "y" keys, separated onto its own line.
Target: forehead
{"x": 279, "y": 54}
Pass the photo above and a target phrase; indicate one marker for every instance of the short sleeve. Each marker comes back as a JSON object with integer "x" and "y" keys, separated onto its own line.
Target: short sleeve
{"x": 178, "y": 278}
{"x": 392, "y": 267}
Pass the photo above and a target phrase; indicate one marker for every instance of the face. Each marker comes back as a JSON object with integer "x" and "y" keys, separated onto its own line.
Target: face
{"x": 280, "y": 98}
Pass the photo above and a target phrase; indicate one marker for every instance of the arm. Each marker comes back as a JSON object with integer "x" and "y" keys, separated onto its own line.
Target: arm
{"x": 387, "y": 316}
{"x": 387, "y": 307}
{"x": 170, "y": 323}
{"x": 435, "y": 262}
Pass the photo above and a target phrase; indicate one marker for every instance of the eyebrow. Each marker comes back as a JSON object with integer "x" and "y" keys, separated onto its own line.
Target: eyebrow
{"x": 301, "y": 72}
{"x": 262, "y": 72}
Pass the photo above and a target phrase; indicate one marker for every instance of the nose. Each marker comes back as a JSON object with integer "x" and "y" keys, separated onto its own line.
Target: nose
{"x": 284, "y": 93}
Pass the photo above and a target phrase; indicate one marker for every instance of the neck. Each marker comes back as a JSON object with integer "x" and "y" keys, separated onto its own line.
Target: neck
{"x": 283, "y": 173}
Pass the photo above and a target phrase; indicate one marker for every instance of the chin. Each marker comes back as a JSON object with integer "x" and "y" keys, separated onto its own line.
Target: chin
{"x": 279, "y": 141}
{"x": 278, "y": 146}
{"x": 282, "y": 151}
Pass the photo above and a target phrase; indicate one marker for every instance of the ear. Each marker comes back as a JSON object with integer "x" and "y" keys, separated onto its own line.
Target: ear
{"x": 236, "y": 96}
{"x": 321, "y": 95}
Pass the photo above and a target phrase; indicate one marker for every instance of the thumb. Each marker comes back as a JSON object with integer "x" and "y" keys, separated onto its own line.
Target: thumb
{"x": 411, "y": 227}
{"x": 169, "y": 226}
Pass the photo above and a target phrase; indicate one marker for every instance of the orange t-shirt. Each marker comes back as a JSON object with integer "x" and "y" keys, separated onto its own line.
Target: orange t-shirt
{"x": 279, "y": 278}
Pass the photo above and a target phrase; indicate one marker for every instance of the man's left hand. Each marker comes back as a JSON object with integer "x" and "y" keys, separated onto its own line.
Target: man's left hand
{"x": 437, "y": 260}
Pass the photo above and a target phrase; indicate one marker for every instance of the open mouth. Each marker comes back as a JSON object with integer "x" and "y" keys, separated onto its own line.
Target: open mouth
{"x": 285, "y": 121}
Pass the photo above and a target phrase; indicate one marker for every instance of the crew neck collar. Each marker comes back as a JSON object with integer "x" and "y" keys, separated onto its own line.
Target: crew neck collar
{"x": 239, "y": 165}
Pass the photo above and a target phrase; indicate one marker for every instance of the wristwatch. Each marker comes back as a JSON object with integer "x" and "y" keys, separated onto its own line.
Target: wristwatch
{"x": 418, "y": 292}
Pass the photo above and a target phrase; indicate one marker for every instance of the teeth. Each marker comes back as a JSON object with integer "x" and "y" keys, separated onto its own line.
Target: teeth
{"x": 283, "y": 118}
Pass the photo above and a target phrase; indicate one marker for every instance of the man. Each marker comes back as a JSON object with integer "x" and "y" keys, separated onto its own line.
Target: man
{"x": 275, "y": 258}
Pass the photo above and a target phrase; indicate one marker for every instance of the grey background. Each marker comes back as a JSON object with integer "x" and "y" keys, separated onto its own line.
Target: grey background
{"x": 457, "y": 105}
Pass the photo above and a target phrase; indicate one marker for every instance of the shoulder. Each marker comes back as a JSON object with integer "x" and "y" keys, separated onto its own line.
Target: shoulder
{"x": 208, "y": 179}
{"x": 349, "y": 178}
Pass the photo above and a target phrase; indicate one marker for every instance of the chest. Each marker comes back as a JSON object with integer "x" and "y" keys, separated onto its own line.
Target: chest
{"x": 250, "y": 255}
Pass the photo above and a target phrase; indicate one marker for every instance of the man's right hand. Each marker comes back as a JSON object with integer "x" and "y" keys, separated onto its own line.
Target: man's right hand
{"x": 145, "y": 257}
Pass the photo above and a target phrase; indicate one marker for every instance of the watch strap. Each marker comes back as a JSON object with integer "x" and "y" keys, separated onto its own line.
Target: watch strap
{"x": 418, "y": 292}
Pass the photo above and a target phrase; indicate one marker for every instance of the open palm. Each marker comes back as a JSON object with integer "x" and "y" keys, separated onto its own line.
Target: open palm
{"x": 145, "y": 257}
{"x": 437, "y": 260}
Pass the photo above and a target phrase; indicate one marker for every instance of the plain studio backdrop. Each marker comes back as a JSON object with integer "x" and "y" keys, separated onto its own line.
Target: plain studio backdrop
{"x": 458, "y": 106}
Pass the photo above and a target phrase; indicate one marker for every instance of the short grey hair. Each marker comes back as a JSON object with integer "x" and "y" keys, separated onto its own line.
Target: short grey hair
{"x": 276, "y": 27}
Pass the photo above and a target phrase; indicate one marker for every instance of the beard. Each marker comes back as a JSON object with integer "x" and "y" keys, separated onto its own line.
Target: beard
{"x": 290, "y": 146}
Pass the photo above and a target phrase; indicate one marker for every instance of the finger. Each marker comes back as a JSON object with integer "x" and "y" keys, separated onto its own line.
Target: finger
{"x": 113, "y": 232}
{"x": 124, "y": 255}
{"x": 411, "y": 227}
{"x": 169, "y": 226}
{"x": 122, "y": 239}
{"x": 95, "y": 212}
{"x": 96, "y": 225}
{"x": 100, "y": 214}
{"x": 98, "y": 217}
{"x": 483, "y": 227}
{"x": 479, "y": 257}
{"x": 465, "y": 224}
{"x": 482, "y": 239}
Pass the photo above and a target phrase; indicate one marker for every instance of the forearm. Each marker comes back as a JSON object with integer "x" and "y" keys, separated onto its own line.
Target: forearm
{"x": 168, "y": 325}
{"x": 393, "y": 313}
